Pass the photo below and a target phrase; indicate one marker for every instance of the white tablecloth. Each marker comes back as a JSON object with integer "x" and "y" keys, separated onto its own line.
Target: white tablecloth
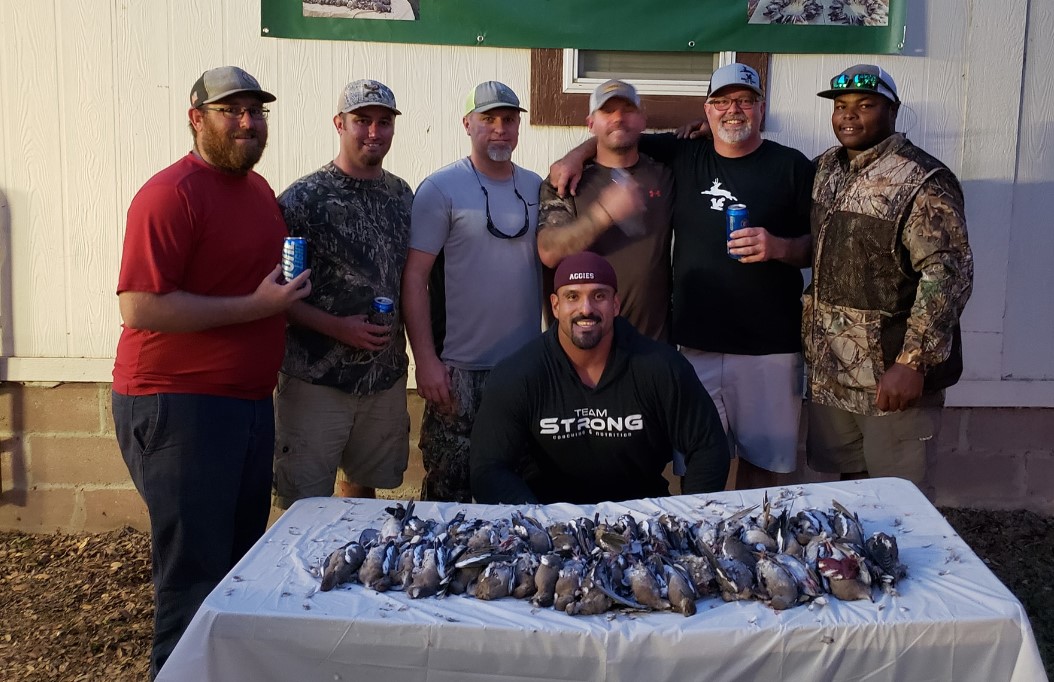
{"x": 953, "y": 620}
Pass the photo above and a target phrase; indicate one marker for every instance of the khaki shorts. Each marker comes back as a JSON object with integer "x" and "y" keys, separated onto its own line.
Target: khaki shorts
{"x": 759, "y": 400}
{"x": 320, "y": 428}
{"x": 900, "y": 444}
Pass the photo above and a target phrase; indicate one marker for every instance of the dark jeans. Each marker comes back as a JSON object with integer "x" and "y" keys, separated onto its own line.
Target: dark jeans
{"x": 203, "y": 466}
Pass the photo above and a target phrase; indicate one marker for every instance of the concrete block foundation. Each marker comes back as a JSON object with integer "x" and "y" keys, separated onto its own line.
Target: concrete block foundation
{"x": 61, "y": 470}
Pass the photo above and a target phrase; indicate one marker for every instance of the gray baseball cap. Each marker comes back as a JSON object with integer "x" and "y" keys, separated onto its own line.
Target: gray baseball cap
{"x": 735, "y": 74}
{"x": 224, "y": 81}
{"x": 366, "y": 93}
{"x": 611, "y": 89}
{"x": 491, "y": 95}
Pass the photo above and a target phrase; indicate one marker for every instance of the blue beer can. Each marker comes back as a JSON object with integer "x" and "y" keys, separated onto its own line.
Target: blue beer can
{"x": 735, "y": 219}
{"x": 294, "y": 257}
{"x": 382, "y": 311}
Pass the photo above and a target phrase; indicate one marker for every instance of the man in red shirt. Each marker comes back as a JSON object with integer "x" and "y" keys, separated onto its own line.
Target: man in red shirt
{"x": 203, "y": 301}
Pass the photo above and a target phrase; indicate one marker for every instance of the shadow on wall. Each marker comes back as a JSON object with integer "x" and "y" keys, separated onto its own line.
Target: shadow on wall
{"x": 12, "y": 453}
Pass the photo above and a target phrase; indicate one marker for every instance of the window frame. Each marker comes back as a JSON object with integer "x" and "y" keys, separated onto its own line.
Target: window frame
{"x": 551, "y": 106}
{"x": 674, "y": 88}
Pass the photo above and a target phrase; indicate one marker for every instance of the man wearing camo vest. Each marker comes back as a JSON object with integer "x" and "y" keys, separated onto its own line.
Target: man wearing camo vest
{"x": 892, "y": 271}
{"x": 341, "y": 399}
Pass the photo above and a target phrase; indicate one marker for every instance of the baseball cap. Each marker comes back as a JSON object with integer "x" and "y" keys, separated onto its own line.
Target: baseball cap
{"x": 584, "y": 268}
{"x": 735, "y": 74}
{"x": 611, "y": 89}
{"x": 491, "y": 95}
{"x": 366, "y": 93}
{"x": 863, "y": 78}
{"x": 224, "y": 81}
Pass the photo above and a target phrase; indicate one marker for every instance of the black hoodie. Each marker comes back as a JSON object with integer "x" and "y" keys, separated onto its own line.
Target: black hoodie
{"x": 541, "y": 435}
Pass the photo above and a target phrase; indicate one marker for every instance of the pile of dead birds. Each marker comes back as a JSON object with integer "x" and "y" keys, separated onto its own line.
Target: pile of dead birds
{"x": 588, "y": 566}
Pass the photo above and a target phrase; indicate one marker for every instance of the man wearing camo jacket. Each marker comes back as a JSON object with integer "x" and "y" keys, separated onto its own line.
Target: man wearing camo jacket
{"x": 341, "y": 400}
{"x": 892, "y": 271}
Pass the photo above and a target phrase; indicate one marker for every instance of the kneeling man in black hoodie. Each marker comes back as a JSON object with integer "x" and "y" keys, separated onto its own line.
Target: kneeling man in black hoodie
{"x": 592, "y": 410}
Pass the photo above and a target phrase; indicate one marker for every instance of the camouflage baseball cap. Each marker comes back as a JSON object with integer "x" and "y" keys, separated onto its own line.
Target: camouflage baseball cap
{"x": 224, "y": 81}
{"x": 366, "y": 93}
{"x": 611, "y": 89}
{"x": 491, "y": 95}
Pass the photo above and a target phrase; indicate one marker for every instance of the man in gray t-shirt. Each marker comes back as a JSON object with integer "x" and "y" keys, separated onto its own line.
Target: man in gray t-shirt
{"x": 471, "y": 291}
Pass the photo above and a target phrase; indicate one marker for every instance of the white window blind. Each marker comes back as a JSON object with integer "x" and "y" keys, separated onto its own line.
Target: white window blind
{"x": 653, "y": 73}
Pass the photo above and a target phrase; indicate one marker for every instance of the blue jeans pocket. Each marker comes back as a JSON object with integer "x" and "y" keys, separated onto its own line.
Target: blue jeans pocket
{"x": 148, "y": 421}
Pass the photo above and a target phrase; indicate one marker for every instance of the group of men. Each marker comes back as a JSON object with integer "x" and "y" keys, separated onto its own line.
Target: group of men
{"x": 669, "y": 339}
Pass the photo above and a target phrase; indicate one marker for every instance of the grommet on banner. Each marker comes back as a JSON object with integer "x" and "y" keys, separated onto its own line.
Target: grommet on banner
{"x": 691, "y": 43}
{"x": 480, "y": 38}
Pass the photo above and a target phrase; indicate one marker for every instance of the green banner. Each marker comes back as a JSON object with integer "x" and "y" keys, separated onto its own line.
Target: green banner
{"x": 813, "y": 26}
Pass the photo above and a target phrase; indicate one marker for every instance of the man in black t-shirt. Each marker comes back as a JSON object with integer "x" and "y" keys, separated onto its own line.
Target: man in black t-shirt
{"x": 737, "y": 303}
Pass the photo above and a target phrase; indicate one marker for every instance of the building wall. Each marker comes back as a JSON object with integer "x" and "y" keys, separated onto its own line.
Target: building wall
{"x": 60, "y": 469}
{"x": 94, "y": 99}
{"x": 94, "y": 96}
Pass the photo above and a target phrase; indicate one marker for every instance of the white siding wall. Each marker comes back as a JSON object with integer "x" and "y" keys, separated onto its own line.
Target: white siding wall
{"x": 94, "y": 98}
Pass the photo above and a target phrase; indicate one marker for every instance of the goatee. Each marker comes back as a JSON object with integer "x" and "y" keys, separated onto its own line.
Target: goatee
{"x": 499, "y": 153}
{"x": 734, "y": 136}
{"x": 589, "y": 338}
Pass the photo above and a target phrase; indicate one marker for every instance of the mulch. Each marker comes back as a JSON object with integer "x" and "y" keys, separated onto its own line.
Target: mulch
{"x": 78, "y": 607}
{"x": 75, "y": 607}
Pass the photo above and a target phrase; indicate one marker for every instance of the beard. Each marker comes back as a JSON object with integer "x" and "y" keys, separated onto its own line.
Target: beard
{"x": 736, "y": 136}
{"x": 586, "y": 339}
{"x": 219, "y": 148}
{"x": 499, "y": 152}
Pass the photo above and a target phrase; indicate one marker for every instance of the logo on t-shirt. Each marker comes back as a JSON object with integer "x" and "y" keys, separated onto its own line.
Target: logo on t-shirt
{"x": 588, "y": 421}
{"x": 718, "y": 196}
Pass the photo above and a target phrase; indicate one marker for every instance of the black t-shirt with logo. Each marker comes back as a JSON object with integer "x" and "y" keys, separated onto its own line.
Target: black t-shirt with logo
{"x": 541, "y": 435}
{"x": 719, "y": 304}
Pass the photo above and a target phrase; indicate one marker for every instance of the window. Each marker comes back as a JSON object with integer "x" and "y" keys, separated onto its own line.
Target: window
{"x": 560, "y": 83}
{"x": 653, "y": 73}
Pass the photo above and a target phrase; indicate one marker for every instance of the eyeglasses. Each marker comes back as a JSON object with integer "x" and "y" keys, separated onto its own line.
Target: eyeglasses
{"x": 723, "y": 103}
{"x": 862, "y": 81}
{"x": 490, "y": 222}
{"x": 236, "y": 113}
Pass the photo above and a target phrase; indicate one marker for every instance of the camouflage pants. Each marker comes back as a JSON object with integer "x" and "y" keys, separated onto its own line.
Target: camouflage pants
{"x": 445, "y": 439}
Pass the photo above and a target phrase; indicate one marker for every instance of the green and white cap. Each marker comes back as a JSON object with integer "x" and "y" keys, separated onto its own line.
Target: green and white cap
{"x": 491, "y": 95}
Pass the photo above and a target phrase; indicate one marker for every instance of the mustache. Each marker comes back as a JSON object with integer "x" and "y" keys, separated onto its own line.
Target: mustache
{"x": 591, "y": 318}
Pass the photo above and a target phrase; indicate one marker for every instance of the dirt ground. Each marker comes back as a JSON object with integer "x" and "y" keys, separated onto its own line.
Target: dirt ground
{"x": 78, "y": 607}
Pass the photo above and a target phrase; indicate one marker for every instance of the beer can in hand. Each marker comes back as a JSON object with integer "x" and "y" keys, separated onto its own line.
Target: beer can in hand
{"x": 294, "y": 257}
{"x": 382, "y": 311}
{"x": 735, "y": 219}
